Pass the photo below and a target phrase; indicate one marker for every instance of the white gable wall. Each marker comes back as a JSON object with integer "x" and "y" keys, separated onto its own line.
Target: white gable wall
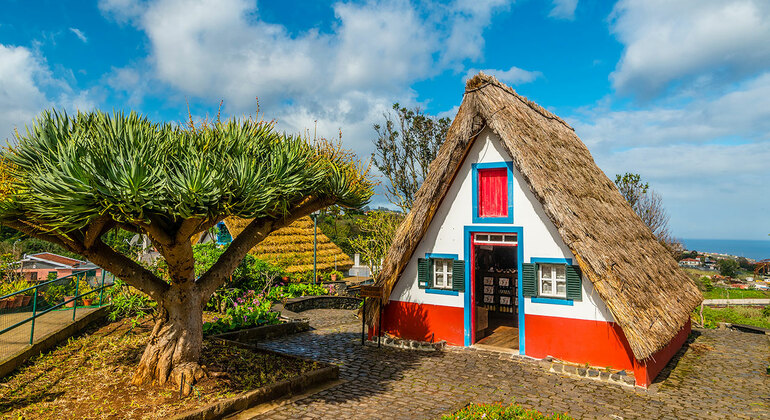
{"x": 540, "y": 238}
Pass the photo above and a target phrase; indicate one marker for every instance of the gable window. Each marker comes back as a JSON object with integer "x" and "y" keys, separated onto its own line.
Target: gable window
{"x": 493, "y": 192}
{"x": 553, "y": 280}
{"x": 442, "y": 273}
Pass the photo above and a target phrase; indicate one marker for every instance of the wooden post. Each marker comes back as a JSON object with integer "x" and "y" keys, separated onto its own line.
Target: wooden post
{"x": 372, "y": 292}
{"x": 363, "y": 322}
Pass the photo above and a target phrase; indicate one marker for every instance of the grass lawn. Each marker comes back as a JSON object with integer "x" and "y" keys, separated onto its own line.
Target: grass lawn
{"x": 502, "y": 412}
{"x": 733, "y": 315}
{"x": 90, "y": 377}
{"x": 719, "y": 293}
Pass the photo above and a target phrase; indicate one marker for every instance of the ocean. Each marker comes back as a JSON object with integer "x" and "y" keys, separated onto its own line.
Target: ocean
{"x": 756, "y": 249}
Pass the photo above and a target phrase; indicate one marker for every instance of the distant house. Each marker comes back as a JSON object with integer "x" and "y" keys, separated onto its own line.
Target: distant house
{"x": 37, "y": 267}
{"x": 518, "y": 240}
{"x": 689, "y": 262}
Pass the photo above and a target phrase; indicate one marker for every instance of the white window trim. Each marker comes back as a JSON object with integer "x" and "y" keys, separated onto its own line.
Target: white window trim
{"x": 446, "y": 265}
{"x": 552, "y": 280}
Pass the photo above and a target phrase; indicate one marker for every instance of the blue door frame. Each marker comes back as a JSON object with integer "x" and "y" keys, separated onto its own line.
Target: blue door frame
{"x": 469, "y": 305}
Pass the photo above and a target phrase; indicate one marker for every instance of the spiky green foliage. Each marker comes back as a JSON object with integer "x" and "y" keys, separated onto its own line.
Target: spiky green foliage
{"x": 67, "y": 171}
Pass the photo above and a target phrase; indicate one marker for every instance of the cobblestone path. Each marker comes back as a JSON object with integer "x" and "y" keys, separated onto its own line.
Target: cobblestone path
{"x": 721, "y": 375}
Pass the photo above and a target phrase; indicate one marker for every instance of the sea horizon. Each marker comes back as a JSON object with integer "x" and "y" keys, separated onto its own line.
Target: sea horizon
{"x": 756, "y": 249}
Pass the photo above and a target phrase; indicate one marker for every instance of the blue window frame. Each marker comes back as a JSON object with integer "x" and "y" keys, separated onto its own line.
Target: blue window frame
{"x": 550, "y": 300}
{"x": 475, "y": 175}
{"x": 442, "y": 291}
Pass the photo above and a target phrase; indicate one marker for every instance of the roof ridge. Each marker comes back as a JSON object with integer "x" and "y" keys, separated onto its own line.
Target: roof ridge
{"x": 481, "y": 80}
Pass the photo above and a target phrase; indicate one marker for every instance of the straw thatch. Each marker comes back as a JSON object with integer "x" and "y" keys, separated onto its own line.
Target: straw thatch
{"x": 642, "y": 285}
{"x": 292, "y": 247}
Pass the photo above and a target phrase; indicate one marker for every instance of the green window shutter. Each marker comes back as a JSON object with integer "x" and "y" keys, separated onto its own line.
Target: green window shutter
{"x": 431, "y": 262}
{"x": 529, "y": 279}
{"x": 574, "y": 283}
{"x": 458, "y": 275}
{"x": 423, "y": 273}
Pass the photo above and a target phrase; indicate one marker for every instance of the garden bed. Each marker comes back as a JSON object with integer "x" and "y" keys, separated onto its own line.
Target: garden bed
{"x": 90, "y": 377}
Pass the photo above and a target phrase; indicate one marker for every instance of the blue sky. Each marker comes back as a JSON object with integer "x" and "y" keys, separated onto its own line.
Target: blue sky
{"x": 676, "y": 91}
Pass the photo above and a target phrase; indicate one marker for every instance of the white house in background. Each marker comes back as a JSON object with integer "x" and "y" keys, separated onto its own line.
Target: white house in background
{"x": 690, "y": 262}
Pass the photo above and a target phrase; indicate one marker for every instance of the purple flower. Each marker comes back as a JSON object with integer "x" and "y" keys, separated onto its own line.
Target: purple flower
{"x": 245, "y": 318}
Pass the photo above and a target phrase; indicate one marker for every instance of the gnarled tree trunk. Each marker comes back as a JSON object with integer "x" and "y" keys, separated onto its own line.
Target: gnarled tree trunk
{"x": 173, "y": 352}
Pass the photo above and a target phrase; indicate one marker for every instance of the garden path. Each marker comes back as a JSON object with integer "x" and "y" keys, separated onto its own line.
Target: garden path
{"x": 17, "y": 339}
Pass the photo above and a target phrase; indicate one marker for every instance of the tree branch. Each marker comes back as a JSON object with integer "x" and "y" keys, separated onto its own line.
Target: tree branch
{"x": 255, "y": 232}
{"x": 50, "y": 236}
{"x": 127, "y": 270}
{"x": 95, "y": 230}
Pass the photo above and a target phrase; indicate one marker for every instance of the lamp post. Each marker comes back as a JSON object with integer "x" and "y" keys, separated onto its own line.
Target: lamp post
{"x": 315, "y": 247}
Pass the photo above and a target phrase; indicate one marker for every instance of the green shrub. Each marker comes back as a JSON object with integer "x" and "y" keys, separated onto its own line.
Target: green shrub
{"x": 249, "y": 310}
{"x": 128, "y": 302}
{"x": 292, "y": 290}
{"x": 499, "y": 411}
{"x": 54, "y": 294}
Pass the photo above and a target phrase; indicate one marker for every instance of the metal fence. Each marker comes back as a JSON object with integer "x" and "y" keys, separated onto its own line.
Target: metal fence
{"x": 36, "y": 311}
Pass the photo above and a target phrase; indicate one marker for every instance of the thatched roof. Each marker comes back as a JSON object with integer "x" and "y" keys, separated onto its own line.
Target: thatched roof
{"x": 293, "y": 245}
{"x": 647, "y": 293}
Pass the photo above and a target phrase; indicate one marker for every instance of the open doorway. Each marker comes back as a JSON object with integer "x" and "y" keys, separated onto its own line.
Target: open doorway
{"x": 495, "y": 285}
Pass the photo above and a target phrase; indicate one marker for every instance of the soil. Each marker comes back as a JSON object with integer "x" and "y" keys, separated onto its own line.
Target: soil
{"x": 90, "y": 377}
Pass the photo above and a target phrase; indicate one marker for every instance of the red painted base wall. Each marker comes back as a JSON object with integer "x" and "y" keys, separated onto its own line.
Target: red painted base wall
{"x": 596, "y": 343}
{"x": 652, "y": 366}
{"x": 424, "y": 322}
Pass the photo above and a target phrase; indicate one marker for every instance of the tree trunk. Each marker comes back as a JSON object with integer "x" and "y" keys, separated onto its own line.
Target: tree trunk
{"x": 174, "y": 350}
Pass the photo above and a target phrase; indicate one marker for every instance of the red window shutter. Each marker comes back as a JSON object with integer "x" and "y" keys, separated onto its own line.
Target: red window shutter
{"x": 493, "y": 192}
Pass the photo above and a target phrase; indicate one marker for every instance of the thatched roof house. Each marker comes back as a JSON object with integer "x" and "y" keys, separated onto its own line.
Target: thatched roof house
{"x": 292, "y": 247}
{"x": 514, "y": 196}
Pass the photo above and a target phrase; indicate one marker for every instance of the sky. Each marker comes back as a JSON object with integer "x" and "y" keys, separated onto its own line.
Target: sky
{"x": 678, "y": 92}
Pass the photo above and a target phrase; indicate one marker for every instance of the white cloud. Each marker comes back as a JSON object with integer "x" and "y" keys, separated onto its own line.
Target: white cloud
{"x": 466, "y": 20}
{"x": 563, "y": 9}
{"x": 512, "y": 76}
{"x": 20, "y": 97}
{"x": 691, "y": 43}
{"x": 78, "y": 33}
{"x": 345, "y": 78}
{"x": 744, "y": 112}
{"x": 707, "y": 156}
{"x": 27, "y": 86}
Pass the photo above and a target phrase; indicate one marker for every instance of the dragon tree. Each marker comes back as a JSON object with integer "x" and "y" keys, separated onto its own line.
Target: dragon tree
{"x": 71, "y": 179}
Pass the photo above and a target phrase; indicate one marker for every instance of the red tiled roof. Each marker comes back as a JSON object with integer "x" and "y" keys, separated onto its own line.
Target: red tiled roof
{"x": 57, "y": 258}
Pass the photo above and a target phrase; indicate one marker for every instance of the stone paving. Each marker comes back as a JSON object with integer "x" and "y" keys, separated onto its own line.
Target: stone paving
{"x": 721, "y": 375}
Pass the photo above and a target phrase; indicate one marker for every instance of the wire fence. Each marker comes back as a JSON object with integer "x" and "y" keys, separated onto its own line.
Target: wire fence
{"x": 32, "y": 313}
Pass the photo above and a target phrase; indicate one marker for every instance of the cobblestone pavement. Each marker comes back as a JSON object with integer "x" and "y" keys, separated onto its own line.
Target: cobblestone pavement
{"x": 721, "y": 375}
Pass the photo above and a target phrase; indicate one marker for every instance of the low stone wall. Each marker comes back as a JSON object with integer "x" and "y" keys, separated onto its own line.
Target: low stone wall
{"x": 321, "y": 302}
{"x": 402, "y": 343}
{"x": 265, "y": 332}
{"x": 620, "y": 377}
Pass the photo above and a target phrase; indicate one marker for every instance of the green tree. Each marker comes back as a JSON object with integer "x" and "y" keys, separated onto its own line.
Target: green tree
{"x": 728, "y": 267}
{"x": 72, "y": 179}
{"x": 405, "y": 147}
{"x": 648, "y": 205}
{"x": 378, "y": 229}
